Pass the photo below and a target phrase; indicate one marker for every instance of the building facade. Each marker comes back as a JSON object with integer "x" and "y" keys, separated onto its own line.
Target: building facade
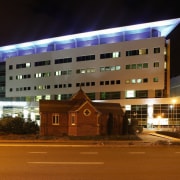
{"x": 175, "y": 86}
{"x": 79, "y": 116}
{"x": 129, "y": 65}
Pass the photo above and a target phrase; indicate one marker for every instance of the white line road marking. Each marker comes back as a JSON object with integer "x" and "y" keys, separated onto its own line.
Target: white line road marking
{"x": 136, "y": 152}
{"x": 37, "y": 152}
{"x": 44, "y": 145}
{"x": 68, "y": 163}
{"x": 88, "y": 152}
{"x": 177, "y": 152}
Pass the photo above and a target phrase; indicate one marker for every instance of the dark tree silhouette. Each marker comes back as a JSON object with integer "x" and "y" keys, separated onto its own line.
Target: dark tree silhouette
{"x": 110, "y": 124}
{"x": 125, "y": 124}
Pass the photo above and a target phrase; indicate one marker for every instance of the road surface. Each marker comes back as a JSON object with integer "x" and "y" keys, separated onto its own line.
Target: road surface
{"x": 53, "y": 161}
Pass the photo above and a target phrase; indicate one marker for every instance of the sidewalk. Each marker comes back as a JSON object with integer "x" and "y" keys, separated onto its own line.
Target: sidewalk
{"x": 147, "y": 138}
{"x": 154, "y": 138}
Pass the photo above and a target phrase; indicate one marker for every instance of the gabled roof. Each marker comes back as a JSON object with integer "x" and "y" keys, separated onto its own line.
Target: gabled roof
{"x": 80, "y": 95}
{"x": 105, "y": 107}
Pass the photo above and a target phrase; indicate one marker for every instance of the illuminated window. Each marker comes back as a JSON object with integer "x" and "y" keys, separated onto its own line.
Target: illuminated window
{"x": 83, "y": 71}
{"x": 102, "y": 69}
{"x": 24, "y": 65}
{"x": 165, "y": 52}
{"x": 136, "y": 52}
{"x": 28, "y": 64}
{"x": 112, "y": 68}
{"x": 139, "y": 81}
{"x": 55, "y": 119}
{"x": 47, "y": 97}
{"x": 73, "y": 119}
{"x": 165, "y": 65}
{"x": 133, "y": 81}
{"x": 60, "y": 73}
{"x": 107, "y": 68}
{"x": 130, "y": 94}
{"x": 143, "y": 51}
{"x": 116, "y": 54}
{"x": 37, "y": 98}
{"x": 19, "y": 77}
{"x": 118, "y": 68}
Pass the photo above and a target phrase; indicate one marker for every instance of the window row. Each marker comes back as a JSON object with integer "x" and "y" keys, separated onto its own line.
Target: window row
{"x": 137, "y": 66}
{"x": 110, "y": 55}
{"x": 139, "y": 80}
{"x": 23, "y": 88}
{"x": 63, "y": 85}
{"x": 84, "y": 71}
{"x": 102, "y": 83}
{"x": 85, "y": 58}
{"x": 110, "y": 68}
{"x": 64, "y": 72}
{"x": 112, "y": 82}
{"x": 18, "y": 77}
{"x": 137, "y": 52}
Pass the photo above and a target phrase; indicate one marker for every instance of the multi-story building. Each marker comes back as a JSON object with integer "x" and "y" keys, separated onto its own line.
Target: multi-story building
{"x": 175, "y": 86}
{"x": 129, "y": 65}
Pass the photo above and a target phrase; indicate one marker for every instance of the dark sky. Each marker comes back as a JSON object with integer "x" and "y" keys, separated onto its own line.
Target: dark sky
{"x": 29, "y": 20}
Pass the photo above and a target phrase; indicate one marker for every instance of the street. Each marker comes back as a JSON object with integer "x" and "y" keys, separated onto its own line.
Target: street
{"x": 52, "y": 161}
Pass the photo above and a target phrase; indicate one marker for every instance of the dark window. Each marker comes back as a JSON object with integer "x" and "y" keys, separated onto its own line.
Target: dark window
{"x": 145, "y": 80}
{"x": 112, "y": 82}
{"x": 141, "y": 94}
{"x": 92, "y": 83}
{"x": 42, "y": 63}
{"x": 85, "y": 58}
{"x": 10, "y": 66}
{"x": 101, "y": 83}
{"x": 156, "y": 50}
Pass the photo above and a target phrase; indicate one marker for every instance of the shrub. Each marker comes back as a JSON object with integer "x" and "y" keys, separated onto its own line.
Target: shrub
{"x": 18, "y": 125}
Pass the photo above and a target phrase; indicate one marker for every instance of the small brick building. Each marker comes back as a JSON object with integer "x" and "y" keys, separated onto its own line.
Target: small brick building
{"x": 79, "y": 116}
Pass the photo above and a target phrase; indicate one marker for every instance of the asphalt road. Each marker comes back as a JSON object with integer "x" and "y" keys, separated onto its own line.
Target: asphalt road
{"x": 54, "y": 161}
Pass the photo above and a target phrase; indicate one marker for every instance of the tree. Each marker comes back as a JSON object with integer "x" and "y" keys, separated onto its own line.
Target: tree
{"x": 110, "y": 124}
{"x": 125, "y": 124}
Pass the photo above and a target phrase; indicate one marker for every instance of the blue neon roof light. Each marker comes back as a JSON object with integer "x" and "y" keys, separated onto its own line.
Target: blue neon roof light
{"x": 164, "y": 27}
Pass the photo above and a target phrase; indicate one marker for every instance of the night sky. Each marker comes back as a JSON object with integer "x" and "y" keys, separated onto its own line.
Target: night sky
{"x": 30, "y": 20}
